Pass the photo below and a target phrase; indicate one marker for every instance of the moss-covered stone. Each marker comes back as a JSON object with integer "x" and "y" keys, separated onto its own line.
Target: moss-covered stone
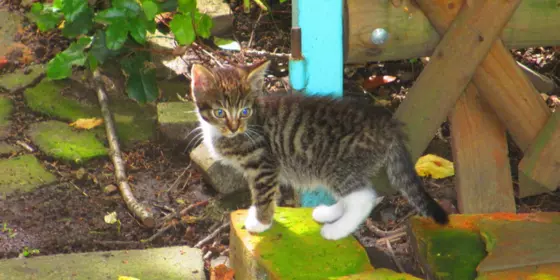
{"x": 58, "y": 140}
{"x": 377, "y": 274}
{"x": 134, "y": 122}
{"x": 176, "y": 120}
{"x": 6, "y": 108}
{"x": 23, "y": 173}
{"x": 171, "y": 263}
{"x": 21, "y": 78}
{"x": 6, "y": 149}
{"x": 292, "y": 248}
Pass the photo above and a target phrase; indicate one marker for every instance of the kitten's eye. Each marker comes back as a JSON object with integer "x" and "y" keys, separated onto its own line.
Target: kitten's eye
{"x": 219, "y": 113}
{"x": 245, "y": 112}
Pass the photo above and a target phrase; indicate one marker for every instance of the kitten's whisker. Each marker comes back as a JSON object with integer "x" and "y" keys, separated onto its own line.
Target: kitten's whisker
{"x": 192, "y": 131}
{"x": 196, "y": 139}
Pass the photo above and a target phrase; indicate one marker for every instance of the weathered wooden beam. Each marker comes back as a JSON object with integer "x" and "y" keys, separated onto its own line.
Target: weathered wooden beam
{"x": 480, "y": 155}
{"x": 503, "y": 85}
{"x": 541, "y": 162}
{"x": 534, "y": 23}
{"x": 465, "y": 44}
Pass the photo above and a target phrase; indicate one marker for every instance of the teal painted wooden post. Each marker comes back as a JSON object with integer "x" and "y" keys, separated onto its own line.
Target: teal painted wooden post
{"x": 317, "y": 67}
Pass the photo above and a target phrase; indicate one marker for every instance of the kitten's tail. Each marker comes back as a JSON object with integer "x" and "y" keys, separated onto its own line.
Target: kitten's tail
{"x": 402, "y": 176}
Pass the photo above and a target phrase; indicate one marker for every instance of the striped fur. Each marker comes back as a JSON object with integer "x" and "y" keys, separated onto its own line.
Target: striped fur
{"x": 302, "y": 141}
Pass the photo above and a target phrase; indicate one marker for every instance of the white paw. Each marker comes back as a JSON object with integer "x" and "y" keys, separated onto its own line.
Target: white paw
{"x": 334, "y": 231}
{"x": 328, "y": 214}
{"x": 252, "y": 224}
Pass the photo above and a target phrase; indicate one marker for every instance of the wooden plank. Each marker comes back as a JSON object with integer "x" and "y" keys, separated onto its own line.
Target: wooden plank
{"x": 462, "y": 48}
{"x": 480, "y": 155}
{"x": 411, "y": 35}
{"x": 506, "y": 88}
{"x": 541, "y": 162}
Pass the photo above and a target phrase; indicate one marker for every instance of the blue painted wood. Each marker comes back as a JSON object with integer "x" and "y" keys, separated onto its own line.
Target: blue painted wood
{"x": 321, "y": 70}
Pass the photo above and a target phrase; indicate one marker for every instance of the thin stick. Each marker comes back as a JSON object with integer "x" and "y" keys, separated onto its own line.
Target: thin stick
{"x": 211, "y": 235}
{"x": 25, "y": 146}
{"x": 132, "y": 204}
{"x": 399, "y": 266}
{"x": 253, "y": 31}
{"x": 391, "y": 238}
{"x": 78, "y": 188}
{"x": 382, "y": 233}
{"x": 192, "y": 206}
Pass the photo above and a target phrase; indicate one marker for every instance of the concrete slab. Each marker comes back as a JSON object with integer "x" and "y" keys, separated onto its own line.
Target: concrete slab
{"x": 180, "y": 263}
{"x": 23, "y": 173}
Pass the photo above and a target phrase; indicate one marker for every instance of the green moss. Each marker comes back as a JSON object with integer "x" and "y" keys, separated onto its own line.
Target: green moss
{"x": 19, "y": 79}
{"x": 6, "y": 108}
{"x": 293, "y": 248}
{"x": 134, "y": 122}
{"x": 454, "y": 253}
{"x": 46, "y": 98}
{"x": 57, "y": 139}
{"x": 176, "y": 112}
{"x": 23, "y": 173}
{"x": 378, "y": 274}
{"x": 6, "y": 148}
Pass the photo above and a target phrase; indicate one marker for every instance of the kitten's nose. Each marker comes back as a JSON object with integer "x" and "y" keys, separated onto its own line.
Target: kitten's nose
{"x": 233, "y": 126}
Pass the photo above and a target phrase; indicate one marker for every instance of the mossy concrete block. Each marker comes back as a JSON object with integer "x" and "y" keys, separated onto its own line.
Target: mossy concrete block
{"x": 6, "y": 149}
{"x": 21, "y": 78}
{"x": 458, "y": 250}
{"x": 9, "y": 23}
{"x": 223, "y": 178}
{"x": 176, "y": 120}
{"x": 23, "y": 173}
{"x": 6, "y": 108}
{"x": 60, "y": 141}
{"x": 378, "y": 274}
{"x": 533, "y": 272}
{"x": 170, "y": 263}
{"x": 134, "y": 122}
{"x": 292, "y": 248}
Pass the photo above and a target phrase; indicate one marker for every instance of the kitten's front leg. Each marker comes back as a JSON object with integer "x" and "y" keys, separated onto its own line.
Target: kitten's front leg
{"x": 264, "y": 187}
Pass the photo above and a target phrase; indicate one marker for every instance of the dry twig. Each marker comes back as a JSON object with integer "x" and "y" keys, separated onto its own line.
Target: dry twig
{"x": 211, "y": 235}
{"x": 391, "y": 238}
{"x": 399, "y": 266}
{"x": 132, "y": 204}
{"x": 25, "y": 146}
{"x": 382, "y": 233}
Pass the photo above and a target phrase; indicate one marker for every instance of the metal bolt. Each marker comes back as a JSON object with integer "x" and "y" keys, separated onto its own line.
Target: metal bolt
{"x": 379, "y": 36}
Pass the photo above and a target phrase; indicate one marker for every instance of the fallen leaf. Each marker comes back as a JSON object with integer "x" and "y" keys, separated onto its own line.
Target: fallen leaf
{"x": 127, "y": 278}
{"x": 222, "y": 272}
{"x": 111, "y": 218}
{"x": 3, "y": 62}
{"x": 87, "y": 123}
{"x": 374, "y": 81}
{"x": 434, "y": 166}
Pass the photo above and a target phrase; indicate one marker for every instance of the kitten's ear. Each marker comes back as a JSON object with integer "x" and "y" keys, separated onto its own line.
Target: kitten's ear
{"x": 256, "y": 75}
{"x": 201, "y": 80}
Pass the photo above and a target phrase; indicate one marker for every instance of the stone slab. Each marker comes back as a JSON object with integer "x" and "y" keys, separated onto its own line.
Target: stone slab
{"x": 21, "y": 78}
{"x": 6, "y": 108}
{"x": 7, "y": 149}
{"x": 221, "y": 14}
{"x": 457, "y": 251}
{"x": 60, "y": 141}
{"x": 23, "y": 173}
{"x": 293, "y": 248}
{"x": 223, "y": 178}
{"x": 9, "y": 23}
{"x": 180, "y": 263}
{"x": 176, "y": 121}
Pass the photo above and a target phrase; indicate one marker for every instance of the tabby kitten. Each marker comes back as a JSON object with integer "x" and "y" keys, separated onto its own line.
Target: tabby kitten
{"x": 304, "y": 141}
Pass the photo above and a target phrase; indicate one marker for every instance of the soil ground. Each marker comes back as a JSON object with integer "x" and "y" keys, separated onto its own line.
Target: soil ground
{"x": 67, "y": 216}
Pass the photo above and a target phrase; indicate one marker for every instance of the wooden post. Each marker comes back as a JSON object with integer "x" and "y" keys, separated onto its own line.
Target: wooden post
{"x": 541, "y": 162}
{"x": 462, "y": 48}
{"x": 503, "y": 85}
{"x": 480, "y": 155}
{"x": 412, "y": 35}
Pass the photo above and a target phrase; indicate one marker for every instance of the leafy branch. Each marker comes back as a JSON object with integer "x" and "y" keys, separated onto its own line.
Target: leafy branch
{"x": 117, "y": 32}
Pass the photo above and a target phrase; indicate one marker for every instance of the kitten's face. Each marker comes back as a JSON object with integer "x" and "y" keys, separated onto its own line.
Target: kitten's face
{"x": 225, "y": 96}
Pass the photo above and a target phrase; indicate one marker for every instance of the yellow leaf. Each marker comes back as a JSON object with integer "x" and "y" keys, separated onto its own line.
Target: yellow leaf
{"x": 434, "y": 166}
{"x": 87, "y": 123}
{"x": 127, "y": 278}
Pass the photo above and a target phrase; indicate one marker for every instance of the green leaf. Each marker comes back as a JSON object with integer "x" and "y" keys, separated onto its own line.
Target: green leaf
{"x": 187, "y": 6}
{"x": 60, "y": 66}
{"x": 168, "y": 6}
{"x": 138, "y": 30}
{"x": 73, "y": 8}
{"x": 130, "y": 7}
{"x": 44, "y": 16}
{"x": 141, "y": 82}
{"x": 110, "y": 16}
{"x": 92, "y": 61}
{"x": 116, "y": 34}
{"x": 151, "y": 9}
{"x": 227, "y": 44}
{"x": 203, "y": 23}
{"x": 99, "y": 47}
{"x": 182, "y": 28}
{"x": 81, "y": 25}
